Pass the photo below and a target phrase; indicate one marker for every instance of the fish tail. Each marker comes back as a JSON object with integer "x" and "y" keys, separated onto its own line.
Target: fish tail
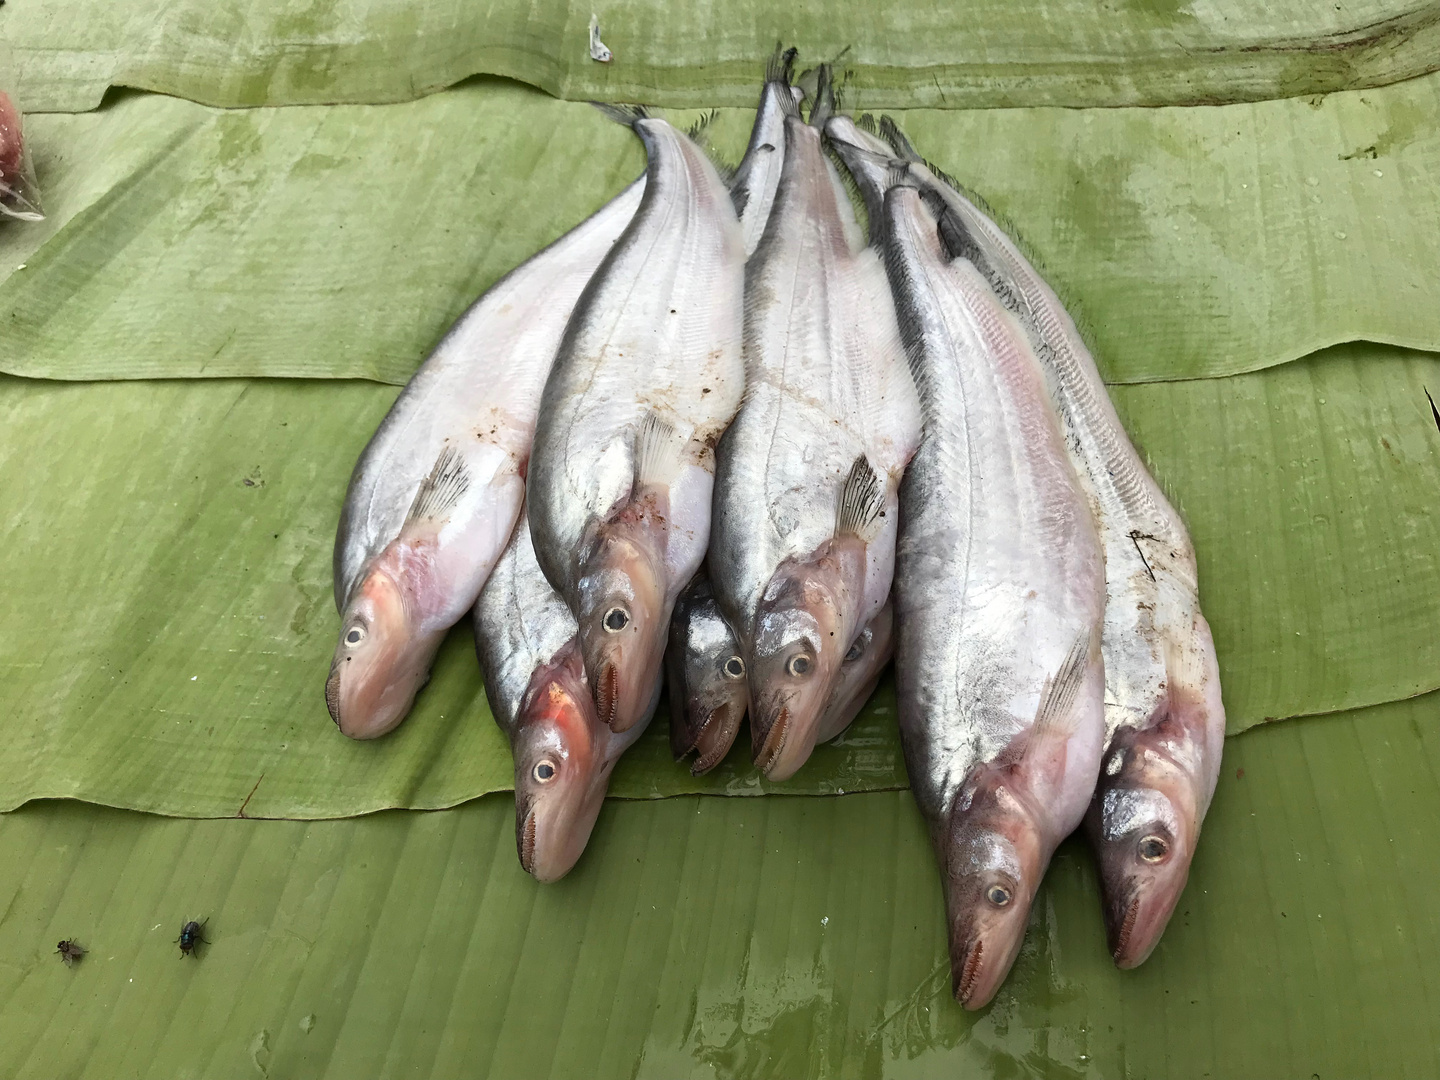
{"x": 699, "y": 134}
{"x": 891, "y": 133}
{"x": 626, "y": 115}
{"x": 780, "y": 68}
{"x": 824, "y": 106}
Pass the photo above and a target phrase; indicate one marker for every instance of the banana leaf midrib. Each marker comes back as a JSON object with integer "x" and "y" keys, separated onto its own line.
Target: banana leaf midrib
{"x": 1067, "y": 53}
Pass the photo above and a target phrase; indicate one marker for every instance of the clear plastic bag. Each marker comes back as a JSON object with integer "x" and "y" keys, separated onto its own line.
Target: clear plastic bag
{"x": 19, "y": 197}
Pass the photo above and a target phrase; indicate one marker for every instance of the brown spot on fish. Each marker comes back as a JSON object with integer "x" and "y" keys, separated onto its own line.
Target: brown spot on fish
{"x": 1239, "y": 774}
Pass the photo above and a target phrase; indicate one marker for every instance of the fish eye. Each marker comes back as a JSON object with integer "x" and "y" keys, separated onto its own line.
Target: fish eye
{"x": 855, "y": 651}
{"x": 543, "y": 772}
{"x": 1153, "y": 848}
{"x": 734, "y": 668}
{"x": 616, "y": 619}
{"x": 998, "y": 895}
{"x": 798, "y": 665}
{"x": 355, "y": 635}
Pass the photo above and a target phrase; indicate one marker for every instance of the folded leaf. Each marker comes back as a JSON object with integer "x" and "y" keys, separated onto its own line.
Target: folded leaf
{"x": 343, "y": 241}
{"x": 987, "y": 53}
{"x": 730, "y": 937}
{"x": 169, "y": 617}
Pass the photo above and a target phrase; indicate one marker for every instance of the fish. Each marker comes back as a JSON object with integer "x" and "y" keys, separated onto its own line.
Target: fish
{"x": 709, "y": 695}
{"x": 705, "y": 674}
{"x": 647, "y": 377}
{"x": 999, "y": 594}
{"x": 860, "y": 672}
{"x": 435, "y": 494}
{"x": 1164, "y": 716}
{"x": 526, "y": 641}
{"x": 752, "y": 189}
{"x": 802, "y": 549}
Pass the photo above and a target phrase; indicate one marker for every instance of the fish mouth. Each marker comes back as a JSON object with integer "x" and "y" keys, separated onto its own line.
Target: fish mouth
{"x": 1122, "y": 934}
{"x": 964, "y": 977}
{"x": 1137, "y": 920}
{"x": 774, "y": 744}
{"x": 715, "y": 738}
{"x": 332, "y": 693}
{"x": 607, "y": 694}
{"x": 525, "y": 843}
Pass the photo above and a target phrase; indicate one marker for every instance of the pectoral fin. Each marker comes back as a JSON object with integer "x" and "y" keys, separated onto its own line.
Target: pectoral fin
{"x": 449, "y": 479}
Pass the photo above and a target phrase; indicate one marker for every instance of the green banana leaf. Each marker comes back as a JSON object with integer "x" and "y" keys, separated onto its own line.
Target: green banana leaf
{"x": 170, "y": 619}
{"x": 730, "y": 938}
{"x": 1063, "y": 52}
{"x": 343, "y": 241}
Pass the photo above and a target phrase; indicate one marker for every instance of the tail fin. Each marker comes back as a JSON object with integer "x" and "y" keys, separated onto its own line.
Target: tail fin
{"x": 698, "y": 131}
{"x": 891, "y": 133}
{"x": 626, "y": 115}
{"x": 824, "y": 106}
{"x": 781, "y": 65}
{"x": 699, "y": 134}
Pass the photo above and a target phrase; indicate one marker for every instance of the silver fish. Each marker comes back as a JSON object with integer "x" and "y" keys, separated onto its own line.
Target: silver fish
{"x": 434, "y": 497}
{"x": 753, "y": 187}
{"x": 648, "y": 376}
{"x": 802, "y": 552}
{"x": 525, "y": 638}
{"x": 859, "y": 674}
{"x": 706, "y": 676}
{"x": 709, "y": 695}
{"x": 1164, "y": 718}
{"x": 999, "y": 598}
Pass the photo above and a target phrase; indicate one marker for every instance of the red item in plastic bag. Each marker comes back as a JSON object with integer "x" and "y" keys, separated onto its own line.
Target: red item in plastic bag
{"x": 19, "y": 197}
{"x": 12, "y": 150}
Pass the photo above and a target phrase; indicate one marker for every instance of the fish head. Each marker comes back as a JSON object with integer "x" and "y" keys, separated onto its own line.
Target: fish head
{"x": 559, "y": 769}
{"x": 800, "y": 643}
{"x": 994, "y": 850}
{"x": 622, "y": 616}
{"x": 1144, "y": 822}
{"x": 380, "y": 663}
{"x": 709, "y": 694}
{"x": 859, "y": 674}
